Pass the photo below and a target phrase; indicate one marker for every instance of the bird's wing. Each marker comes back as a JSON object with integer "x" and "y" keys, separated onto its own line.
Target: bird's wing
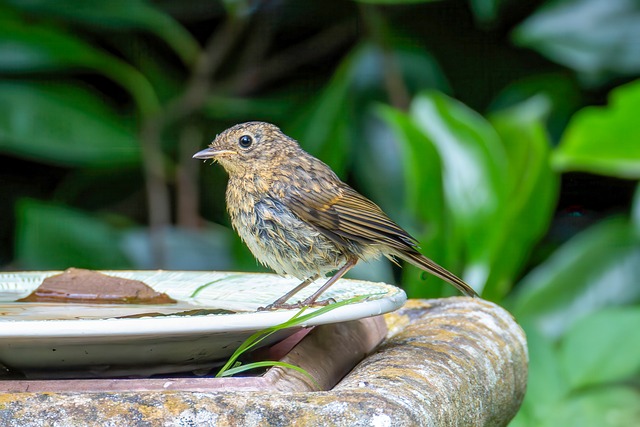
{"x": 342, "y": 213}
{"x": 344, "y": 216}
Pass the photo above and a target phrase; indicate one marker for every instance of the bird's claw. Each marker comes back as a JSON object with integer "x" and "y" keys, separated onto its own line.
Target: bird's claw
{"x": 298, "y": 305}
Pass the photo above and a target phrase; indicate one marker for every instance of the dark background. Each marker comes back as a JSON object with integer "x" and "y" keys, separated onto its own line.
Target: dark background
{"x": 104, "y": 103}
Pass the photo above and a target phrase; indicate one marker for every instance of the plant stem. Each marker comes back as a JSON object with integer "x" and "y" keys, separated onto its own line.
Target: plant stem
{"x": 192, "y": 99}
{"x": 394, "y": 82}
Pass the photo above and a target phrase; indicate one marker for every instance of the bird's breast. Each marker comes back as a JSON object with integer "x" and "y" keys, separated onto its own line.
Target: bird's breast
{"x": 277, "y": 237}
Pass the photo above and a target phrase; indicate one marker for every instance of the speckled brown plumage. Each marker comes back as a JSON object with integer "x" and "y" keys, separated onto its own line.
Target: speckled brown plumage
{"x": 297, "y": 217}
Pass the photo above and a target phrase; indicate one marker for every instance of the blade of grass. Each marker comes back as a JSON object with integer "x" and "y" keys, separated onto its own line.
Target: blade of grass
{"x": 253, "y": 341}
{"x": 297, "y": 320}
{"x": 265, "y": 364}
{"x": 206, "y": 285}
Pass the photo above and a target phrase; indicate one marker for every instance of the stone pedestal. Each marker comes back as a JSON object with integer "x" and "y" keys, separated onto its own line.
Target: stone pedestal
{"x": 446, "y": 362}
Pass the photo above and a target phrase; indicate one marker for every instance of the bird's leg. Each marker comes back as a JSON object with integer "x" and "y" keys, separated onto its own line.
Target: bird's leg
{"x": 351, "y": 262}
{"x": 280, "y": 302}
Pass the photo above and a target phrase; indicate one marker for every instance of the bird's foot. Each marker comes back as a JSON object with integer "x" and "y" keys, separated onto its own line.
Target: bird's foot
{"x": 298, "y": 305}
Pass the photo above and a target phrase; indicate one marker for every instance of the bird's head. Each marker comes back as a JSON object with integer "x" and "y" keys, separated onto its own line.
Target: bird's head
{"x": 250, "y": 147}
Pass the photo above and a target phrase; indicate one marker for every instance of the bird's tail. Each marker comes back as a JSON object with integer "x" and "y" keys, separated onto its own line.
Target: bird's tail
{"x": 426, "y": 264}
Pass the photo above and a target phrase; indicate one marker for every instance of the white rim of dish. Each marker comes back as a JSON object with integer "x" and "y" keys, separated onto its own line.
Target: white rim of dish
{"x": 209, "y": 323}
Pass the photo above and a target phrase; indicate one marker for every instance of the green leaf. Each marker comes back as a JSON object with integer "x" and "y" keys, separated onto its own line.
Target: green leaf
{"x": 546, "y": 384}
{"x": 597, "y": 268}
{"x": 28, "y": 48}
{"x": 602, "y": 348}
{"x": 322, "y": 129}
{"x": 117, "y": 15}
{"x": 530, "y": 184}
{"x": 475, "y": 171}
{"x": 608, "y": 406}
{"x": 422, "y": 169}
{"x": 274, "y": 109}
{"x": 25, "y": 47}
{"x": 532, "y": 191}
{"x": 522, "y": 419}
{"x": 594, "y": 37}
{"x": 559, "y": 88}
{"x": 486, "y": 11}
{"x": 424, "y": 198}
{"x": 63, "y": 125}
{"x": 239, "y": 8}
{"x": 50, "y": 237}
{"x": 605, "y": 140}
{"x": 331, "y": 128}
{"x": 377, "y": 163}
{"x": 417, "y": 67}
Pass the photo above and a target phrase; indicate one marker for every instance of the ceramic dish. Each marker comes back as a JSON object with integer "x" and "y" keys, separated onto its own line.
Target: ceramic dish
{"x": 105, "y": 340}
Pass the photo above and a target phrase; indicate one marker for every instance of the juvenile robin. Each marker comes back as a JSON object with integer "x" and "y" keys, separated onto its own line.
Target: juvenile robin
{"x": 298, "y": 218}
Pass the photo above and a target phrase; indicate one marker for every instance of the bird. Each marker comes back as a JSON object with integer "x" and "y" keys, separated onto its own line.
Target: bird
{"x": 298, "y": 218}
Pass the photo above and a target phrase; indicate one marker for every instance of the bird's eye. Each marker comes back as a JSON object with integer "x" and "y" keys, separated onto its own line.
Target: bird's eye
{"x": 245, "y": 141}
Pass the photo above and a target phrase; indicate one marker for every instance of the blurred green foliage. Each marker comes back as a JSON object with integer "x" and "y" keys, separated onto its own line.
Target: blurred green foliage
{"x": 502, "y": 134}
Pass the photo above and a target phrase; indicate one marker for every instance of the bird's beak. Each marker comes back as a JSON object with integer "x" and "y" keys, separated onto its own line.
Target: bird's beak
{"x": 210, "y": 153}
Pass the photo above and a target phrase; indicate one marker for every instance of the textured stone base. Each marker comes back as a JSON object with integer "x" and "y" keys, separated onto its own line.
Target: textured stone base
{"x": 448, "y": 362}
